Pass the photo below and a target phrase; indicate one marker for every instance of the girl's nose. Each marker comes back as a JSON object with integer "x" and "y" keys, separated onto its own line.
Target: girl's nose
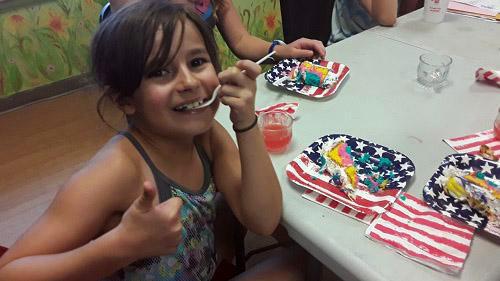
{"x": 187, "y": 81}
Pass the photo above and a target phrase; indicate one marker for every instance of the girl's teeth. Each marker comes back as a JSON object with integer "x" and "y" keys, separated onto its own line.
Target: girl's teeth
{"x": 190, "y": 106}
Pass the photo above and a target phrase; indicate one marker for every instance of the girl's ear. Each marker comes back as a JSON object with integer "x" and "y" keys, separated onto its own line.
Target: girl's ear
{"x": 125, "y": 104}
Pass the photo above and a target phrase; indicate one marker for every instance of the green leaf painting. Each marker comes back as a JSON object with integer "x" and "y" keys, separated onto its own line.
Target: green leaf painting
{"x": 45, "y": 43}
{"x": 50, "y": 41}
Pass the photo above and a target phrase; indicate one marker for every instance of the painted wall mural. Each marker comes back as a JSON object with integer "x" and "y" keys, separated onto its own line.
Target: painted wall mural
{"x": 45, "y": 43}
{"x": 48, "y": 42}
{"x": 261, "y": 17}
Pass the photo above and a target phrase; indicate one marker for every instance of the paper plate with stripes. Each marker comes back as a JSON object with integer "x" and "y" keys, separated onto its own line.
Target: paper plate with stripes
{"x": 305, "y": 170}
{"x": 278, "y": 76}
{"x": 437, "y": 198}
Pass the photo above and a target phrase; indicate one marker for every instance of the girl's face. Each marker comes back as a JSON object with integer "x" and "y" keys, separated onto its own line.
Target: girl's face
{"x": 162, "y": 103}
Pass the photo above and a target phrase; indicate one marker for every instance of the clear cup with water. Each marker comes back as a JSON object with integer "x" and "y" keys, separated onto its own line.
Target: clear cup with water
{"x": 433, "y": 69}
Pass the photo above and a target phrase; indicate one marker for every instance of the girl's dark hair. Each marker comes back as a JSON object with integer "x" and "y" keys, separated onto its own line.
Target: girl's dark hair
{"x": 123, "y": 44}
{"x": 218, "y": 5}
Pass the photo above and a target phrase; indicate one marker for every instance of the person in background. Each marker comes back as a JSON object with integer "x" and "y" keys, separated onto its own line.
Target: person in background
{"x": 244, "y": 45}
{"x": 350, "y": 17}
{"x": 131, "y": 213}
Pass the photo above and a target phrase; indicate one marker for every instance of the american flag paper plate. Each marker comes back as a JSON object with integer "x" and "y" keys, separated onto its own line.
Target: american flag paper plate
{"x": 304, "y": 171}
{"x": 278, "y": 74}
{"x": 420, "y": 233}
{"x": 438, "y": 199}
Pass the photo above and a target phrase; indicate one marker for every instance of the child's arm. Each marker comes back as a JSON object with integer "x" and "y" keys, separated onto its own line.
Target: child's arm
{"x": 384, "y": 12}
{"x": 247, "y": 46}
{"x": 92, "y": 261}
{"x": 59, "y": 245}
{"x": 246, "y": 176}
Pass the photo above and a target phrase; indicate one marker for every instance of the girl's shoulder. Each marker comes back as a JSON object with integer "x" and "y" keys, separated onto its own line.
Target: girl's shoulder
{"x": 118, "y": 151}
{"x": 114, "y": 172}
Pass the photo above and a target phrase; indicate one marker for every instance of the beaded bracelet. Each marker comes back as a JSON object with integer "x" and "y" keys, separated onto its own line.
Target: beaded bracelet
{"x": 236, "y": 130}
{"x": 274, "y": 43}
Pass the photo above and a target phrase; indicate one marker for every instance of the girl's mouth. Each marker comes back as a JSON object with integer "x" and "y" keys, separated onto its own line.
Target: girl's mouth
{"x": 190, "y": 106}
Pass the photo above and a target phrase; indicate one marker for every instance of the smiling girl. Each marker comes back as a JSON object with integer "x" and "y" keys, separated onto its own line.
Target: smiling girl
{"x": 143, "y": 207}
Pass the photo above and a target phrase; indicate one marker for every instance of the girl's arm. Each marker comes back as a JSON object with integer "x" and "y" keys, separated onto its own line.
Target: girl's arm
{"x": 247, "y": 46}
{"x": 60, "y": 245}
{"x": 384, "y": 12}
{"x": 57, "y": 246}
{"x": 246, "y": 176}
{"x": 94, "y": 260}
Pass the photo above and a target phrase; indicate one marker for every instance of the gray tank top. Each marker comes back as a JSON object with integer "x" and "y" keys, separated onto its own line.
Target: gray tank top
{"x": 195, "y": 258}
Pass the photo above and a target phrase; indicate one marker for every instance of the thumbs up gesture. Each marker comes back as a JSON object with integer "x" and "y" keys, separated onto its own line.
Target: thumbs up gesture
{"x": 151, "y": 229}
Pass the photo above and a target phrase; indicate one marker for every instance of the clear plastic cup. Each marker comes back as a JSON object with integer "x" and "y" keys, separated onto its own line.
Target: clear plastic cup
{"x": 276, "y": 127}
{"x": 433, "y": 69}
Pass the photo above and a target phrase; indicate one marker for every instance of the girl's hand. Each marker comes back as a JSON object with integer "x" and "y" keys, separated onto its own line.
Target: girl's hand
{"x": 302, "y": 48}
{"x": 150, "y": 229}
{"x": 238, "y": 91}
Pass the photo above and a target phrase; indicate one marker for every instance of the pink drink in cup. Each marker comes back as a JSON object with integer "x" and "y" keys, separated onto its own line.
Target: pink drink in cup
{"x": 276, "y": 128}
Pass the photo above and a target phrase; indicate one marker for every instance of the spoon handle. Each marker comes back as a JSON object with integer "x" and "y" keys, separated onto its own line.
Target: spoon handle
{"x": 264, "y": 58}
{"x": 216, "y": 90}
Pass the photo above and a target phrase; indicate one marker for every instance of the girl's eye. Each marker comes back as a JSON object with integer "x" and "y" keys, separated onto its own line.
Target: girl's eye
{"x": 160, "y": 73}
{"x": 198, "y": 62}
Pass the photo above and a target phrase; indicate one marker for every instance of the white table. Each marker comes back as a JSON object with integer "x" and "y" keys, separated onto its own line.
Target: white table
{"x": 471, "y": 38}
{"x": 380, "y": 101}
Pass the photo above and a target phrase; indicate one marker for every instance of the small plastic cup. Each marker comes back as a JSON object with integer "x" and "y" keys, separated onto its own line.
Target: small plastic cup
{"x": 433, "y": 69}
{"x": 276, "y": 127}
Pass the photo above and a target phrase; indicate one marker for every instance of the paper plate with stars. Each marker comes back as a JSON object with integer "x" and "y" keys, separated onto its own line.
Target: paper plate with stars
{"x": 437, "y": 198}
{"x": 278, "y": 76}
{"x": 306, "y": 171}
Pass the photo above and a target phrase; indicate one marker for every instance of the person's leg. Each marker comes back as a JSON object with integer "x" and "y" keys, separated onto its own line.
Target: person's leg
{"x": 285, "y": 264}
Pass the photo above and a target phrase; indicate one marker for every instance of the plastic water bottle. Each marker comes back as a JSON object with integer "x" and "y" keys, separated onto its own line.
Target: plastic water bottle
{"x": 434, "y": 10}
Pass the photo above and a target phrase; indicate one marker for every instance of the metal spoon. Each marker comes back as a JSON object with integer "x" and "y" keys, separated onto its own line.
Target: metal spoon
{"x": 216, "y": 91}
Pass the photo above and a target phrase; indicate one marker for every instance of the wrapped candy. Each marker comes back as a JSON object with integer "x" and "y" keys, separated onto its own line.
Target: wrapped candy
{"x": 489, "y": 76}
{"x": 313, "y": 75}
